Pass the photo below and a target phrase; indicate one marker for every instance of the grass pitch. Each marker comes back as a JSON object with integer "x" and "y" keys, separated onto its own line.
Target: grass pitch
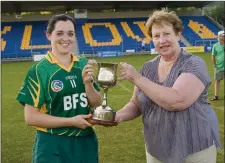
{"x": 121, "y": 144}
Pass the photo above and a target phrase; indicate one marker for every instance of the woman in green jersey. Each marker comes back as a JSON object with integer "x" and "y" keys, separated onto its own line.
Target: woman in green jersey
{"x": 57, "y": 95}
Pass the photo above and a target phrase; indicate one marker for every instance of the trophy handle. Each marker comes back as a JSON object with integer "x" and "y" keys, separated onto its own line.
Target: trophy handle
{"x": 118, "y": 66}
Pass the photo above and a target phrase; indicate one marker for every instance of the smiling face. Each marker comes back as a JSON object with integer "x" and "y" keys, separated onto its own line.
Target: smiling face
{"x": 62, "y": 37}
{"x": 165, "y": 40}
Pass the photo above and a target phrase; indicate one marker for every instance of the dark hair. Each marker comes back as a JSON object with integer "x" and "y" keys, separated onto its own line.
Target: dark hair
{"x": 55, "y": 19}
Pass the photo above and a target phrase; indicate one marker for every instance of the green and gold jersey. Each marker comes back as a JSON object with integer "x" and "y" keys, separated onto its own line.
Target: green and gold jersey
{"x": 57, "y": 91}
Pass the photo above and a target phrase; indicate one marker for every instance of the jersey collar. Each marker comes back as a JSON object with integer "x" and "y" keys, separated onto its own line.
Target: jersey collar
{"x": 52, "y": 59}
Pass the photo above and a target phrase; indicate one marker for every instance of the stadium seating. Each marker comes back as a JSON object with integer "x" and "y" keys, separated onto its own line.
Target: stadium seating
{"x": 22, "y": 39}
{"x": 199, "y": 30}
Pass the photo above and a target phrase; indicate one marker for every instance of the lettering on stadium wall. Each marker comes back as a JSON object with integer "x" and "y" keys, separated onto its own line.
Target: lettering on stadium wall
{"x": 116, "y": 40}
{"x": 194, "y": 49}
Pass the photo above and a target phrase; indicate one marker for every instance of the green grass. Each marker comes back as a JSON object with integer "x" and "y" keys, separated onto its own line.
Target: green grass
{"x": 121, "y": 144}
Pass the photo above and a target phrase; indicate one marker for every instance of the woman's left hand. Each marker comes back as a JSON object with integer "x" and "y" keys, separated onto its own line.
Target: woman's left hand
{"x": 128, "y": 72}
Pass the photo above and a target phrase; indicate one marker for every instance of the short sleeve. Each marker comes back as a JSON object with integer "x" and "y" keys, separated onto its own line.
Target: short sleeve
{"x": 32, "y": 91}
{"x": 148, "y": 68}
{"x": 142, "y": 70}
{"x": 145, "y": 69}
{"x": 197, "y": 66}
{"x": 84, "y": 62}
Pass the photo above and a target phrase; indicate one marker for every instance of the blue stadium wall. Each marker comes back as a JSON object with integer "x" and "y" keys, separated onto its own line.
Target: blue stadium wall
{"x": 21, "y": 39}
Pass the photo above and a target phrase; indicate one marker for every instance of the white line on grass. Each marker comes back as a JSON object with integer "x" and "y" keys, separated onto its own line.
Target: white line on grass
{"x": 125, "y": 88}
{"x": 218, "y": 108}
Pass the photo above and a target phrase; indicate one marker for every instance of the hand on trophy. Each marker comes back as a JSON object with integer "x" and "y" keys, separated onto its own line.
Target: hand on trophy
{"x": 80, "y": 121}
{"x": 128, "y": 72}
{"x": 102, "y": 123}
{"x": 88, "y": 71}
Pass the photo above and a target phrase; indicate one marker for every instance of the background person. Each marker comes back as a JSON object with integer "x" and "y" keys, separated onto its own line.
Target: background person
{"x": 218, "y": 63}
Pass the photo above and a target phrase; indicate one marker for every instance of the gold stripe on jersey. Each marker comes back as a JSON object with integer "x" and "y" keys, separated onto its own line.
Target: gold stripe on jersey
{"x": 52, "y": 59}
{"x": 37, "y": 92}
{"x": 40, "y": 129}
{"x": 48, "y": 57}
{"x": 43, "y": 109}
{"x": 31, "y": 94}
{"x": 34, "y": 89}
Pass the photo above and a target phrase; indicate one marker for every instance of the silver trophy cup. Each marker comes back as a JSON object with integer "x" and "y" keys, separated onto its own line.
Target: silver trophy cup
{"x": 106, "y": 75}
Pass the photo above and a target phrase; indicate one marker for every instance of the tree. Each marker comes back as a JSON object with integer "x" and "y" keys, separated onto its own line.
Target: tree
{"x": 217, "y": 13}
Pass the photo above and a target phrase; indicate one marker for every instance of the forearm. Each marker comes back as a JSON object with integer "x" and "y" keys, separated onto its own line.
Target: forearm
{"x": 44, "y": 120}
{"x": 93, "y": 95}
{"x": 166, "y": 97}
{"x": 214, "y": 61}
{"x": 128, "y": 112}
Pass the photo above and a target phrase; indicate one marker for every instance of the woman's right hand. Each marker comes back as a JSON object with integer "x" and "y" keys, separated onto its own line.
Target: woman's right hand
{"x": 88, "y": 71}
{"x": 118, "y": 117}
{"x": 80, "y": 121}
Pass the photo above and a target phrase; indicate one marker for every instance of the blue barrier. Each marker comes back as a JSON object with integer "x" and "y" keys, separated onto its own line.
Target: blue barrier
{"x": 109, "y": 54}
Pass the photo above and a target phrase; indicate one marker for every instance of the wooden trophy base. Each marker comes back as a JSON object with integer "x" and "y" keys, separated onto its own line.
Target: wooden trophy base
{"x": 101, "y": 122}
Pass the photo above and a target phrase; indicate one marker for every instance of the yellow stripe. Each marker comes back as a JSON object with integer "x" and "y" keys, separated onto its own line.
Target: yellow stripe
{"x": 43, "y": 109}
{"x": 36, "y": 100}
{"x": 34, "y": 81}
{"x": 66, "y": 68}
{"x": 52, "y": 59}
{"x": 39, "y": 90}
{"x": 48, "y": 56}
{"x": 40, "y": 128}
{"x": 31, "y": 94}
{"x": 35, "y": 91}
